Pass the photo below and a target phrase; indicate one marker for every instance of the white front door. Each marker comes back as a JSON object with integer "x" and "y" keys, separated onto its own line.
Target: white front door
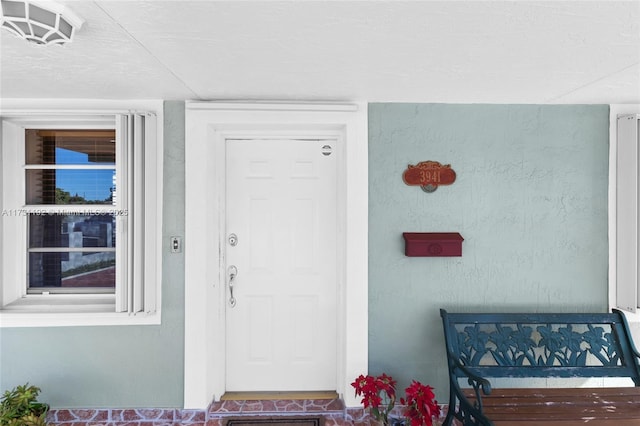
{"x": 280, "y": 247}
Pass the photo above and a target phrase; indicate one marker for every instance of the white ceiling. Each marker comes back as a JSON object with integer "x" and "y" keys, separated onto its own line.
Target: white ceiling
{"x": 398, "y": 51}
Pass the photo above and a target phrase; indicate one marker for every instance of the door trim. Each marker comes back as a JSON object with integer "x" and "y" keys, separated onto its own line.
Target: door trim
{"x": 208, "y": 126}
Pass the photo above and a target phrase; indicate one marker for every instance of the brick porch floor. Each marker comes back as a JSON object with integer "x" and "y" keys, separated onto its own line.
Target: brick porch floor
{"x": 332, "y": 410}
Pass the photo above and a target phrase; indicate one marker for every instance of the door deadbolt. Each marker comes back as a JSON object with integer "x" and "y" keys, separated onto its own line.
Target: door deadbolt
{"x": 233, "y": 240}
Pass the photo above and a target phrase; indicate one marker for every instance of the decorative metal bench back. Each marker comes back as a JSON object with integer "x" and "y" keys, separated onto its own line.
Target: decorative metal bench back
{"x": 541, "y": 345}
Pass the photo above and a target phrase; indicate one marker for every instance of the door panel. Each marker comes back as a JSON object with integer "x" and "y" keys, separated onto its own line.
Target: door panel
{"x": 281, "y": 204}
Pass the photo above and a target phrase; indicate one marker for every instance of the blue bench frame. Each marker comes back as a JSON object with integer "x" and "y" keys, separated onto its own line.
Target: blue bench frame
{"x": 529, "y": 345}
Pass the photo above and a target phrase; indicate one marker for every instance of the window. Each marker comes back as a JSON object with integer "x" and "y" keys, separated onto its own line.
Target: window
{"x": 80, "y": 218}
{"x": 73, "y": 249}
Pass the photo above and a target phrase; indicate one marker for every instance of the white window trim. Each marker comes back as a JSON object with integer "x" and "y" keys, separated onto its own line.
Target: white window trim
{"x": 94, "y": 310}
{"x": 618, "y": 228}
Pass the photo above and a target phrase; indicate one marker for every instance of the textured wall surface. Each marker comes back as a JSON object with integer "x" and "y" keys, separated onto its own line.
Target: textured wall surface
{"x": 530, "y": 200}
{"x": 132, "y": 366}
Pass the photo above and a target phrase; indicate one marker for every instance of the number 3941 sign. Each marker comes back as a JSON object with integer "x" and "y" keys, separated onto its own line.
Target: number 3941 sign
{"x": 428, "y": 175}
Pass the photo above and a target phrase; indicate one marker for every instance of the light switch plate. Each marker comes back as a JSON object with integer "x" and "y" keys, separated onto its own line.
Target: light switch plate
{"x": 176, "y": 245}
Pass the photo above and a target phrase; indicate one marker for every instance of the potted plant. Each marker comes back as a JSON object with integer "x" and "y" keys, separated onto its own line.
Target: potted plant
{"x": 20, "y": 407}
{"x": 379, "y": 395}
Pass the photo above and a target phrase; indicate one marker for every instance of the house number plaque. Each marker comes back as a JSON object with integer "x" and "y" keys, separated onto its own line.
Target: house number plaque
{"x": 428, "y": 175}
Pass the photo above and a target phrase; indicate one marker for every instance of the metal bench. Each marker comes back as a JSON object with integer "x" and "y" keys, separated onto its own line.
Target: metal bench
{"x": 529, "y": 346}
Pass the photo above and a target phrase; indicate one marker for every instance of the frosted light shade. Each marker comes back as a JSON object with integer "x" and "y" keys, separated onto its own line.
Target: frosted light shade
{"x": 39, "y": 22}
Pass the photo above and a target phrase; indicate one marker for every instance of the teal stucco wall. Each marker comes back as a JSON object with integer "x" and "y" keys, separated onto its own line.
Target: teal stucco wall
{"x": 115, "y": 367}
{"x": 530, "y": 200}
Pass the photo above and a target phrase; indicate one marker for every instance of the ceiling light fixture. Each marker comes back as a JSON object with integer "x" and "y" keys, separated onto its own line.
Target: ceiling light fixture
{"x": 40, "y": 22}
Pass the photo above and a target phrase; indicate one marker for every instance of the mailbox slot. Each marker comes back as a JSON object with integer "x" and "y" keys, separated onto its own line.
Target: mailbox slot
{"x": 432, "y": 244}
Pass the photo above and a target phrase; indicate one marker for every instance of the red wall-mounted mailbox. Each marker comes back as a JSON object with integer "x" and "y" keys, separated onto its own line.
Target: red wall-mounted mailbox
{"x": 432, "y": 244}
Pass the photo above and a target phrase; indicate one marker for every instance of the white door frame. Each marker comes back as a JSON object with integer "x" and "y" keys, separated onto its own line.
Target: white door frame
{"x": 208, "y": 126}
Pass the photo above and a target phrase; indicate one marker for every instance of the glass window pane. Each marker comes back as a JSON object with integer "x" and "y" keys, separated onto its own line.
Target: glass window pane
{"x": 70, "y": 186}
{"x": 79, "y": 147}
{"x": 72, "y": 269}
{"x": 72, "y": 230}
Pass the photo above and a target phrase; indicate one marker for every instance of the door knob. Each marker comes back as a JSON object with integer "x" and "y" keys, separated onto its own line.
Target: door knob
{"x": 232, "y": 271}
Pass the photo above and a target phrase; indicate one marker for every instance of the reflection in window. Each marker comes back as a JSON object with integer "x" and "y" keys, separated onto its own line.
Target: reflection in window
{"x": 70, "y": 186}
{"x": 70, "y": 167}
{"x": 71, "y": 147}
{"x": 72, "y": 250}
{"x": 72, "y": 230}
{"x": 77, "y": 247}
{"x": 72, "y": 269}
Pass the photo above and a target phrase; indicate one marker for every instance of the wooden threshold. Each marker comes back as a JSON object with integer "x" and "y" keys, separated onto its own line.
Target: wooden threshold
{"x": 269, "y": 396}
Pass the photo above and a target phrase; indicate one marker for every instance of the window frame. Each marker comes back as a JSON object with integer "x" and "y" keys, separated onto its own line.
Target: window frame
{"x": 137, "y": 299}
{"x": 624, "y": 232}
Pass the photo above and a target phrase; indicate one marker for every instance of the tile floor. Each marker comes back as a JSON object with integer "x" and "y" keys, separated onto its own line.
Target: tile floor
{"x": 332, "y": 410}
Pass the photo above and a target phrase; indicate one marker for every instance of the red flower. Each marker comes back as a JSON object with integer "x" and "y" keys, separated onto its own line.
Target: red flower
{"x": 379, "y": 396}
{"x": 387, "y": 384}
{"x": 421, "y": 404}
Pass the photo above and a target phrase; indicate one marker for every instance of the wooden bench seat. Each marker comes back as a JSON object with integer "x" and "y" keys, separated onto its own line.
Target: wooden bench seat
{"x": 562, "y": 406}
{"x": 527, "y": 346}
